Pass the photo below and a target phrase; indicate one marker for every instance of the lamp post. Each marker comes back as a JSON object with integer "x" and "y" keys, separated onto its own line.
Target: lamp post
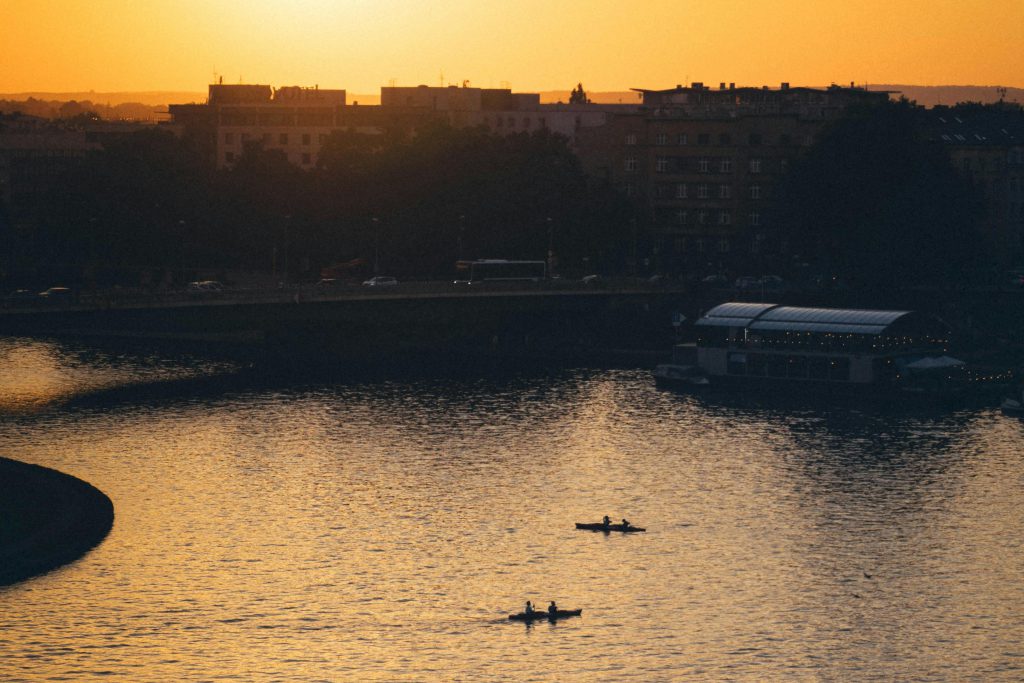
{"x": 551, "y": 250}
{"x": 376, "y": 245}
{"x": 462, "y": 229}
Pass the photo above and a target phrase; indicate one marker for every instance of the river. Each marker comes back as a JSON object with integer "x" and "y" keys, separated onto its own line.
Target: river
{"x": 332, "y": 529}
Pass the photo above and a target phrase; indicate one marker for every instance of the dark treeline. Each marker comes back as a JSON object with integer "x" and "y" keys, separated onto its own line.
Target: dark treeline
{"x": 414, "y": 206}
{"x": 71, "y": 109}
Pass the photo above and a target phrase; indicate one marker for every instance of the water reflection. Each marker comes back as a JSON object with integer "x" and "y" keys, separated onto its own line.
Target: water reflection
{"x": 384, "y": 529}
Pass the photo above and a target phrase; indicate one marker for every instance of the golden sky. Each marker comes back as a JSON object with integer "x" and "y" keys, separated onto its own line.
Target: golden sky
{"x": 360, "y": 45}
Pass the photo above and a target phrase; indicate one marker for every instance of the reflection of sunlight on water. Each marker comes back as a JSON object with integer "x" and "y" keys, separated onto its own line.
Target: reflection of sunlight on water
{"x": 32, "y": 376}
{"x": 36, "y": 375}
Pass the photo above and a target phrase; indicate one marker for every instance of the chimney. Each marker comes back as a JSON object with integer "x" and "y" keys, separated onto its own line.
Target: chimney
{"x": 785, "y": 86}
{"x": 697, "y": 85}
{"x": 721, "y": 86}
{"x": 732, "y": 86}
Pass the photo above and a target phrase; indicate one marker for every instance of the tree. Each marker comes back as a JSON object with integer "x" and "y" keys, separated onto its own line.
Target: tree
{"x": 578, "y": 96}
{"x": 875, "y": 203}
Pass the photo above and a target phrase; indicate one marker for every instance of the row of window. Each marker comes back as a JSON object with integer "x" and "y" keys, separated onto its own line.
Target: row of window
{"x": 704, "y": 139}
{"x": 510, "y": 122}
{"x": 305, "y": 159}
{"x": 701, "y": 191}
{"x": 702, "y": 165}
{"x": 282, "y": 138}
{"x": 705, "y": 217}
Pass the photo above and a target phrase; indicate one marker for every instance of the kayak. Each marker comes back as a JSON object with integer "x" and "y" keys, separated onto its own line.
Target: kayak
{"x": 597, "y": 526}
{"x": 544, "y": 614}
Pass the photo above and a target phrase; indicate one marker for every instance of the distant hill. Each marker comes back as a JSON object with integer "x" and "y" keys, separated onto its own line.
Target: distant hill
{"x": 931, "y": 95}
{"x": 153, "y": 98}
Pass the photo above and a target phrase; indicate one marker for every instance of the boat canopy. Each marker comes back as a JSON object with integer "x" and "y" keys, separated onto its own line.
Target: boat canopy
{"x": 796, "y": 319}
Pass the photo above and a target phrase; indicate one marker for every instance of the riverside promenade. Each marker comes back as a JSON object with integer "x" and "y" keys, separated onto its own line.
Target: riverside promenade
{"x": 47, "y": 519}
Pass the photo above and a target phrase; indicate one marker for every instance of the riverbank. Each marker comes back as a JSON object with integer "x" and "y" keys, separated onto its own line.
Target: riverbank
{"x": 47, "y": 519}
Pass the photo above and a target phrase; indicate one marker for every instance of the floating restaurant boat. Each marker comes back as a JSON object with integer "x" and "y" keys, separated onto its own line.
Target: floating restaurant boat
{"x": 877, "y": 349}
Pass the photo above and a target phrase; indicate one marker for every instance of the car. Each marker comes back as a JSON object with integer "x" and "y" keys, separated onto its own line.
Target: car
{"x": 715, "y": 280}
{"x": 56, "y": 294}
{"x": 747, "y": 283}
{"x": 588, "y": 279}
{"x": 205, "y": 286}
{"x": 380, "y": 281}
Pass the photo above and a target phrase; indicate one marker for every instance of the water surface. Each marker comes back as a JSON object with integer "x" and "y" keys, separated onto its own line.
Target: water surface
{"x": 383, "y": 530}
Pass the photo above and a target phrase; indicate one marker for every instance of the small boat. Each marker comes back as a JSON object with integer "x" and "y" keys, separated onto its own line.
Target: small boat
{"x": 598, "y": 526}
{"x": 544, "y": 614}
{"x": 674, "y": 376}
{"x": 1012, "y": 407}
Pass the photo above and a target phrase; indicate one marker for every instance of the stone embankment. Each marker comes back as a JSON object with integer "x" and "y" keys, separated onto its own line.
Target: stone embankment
{"x": 47, "y": 519}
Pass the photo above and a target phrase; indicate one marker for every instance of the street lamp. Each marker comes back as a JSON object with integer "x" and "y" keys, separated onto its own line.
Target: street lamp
{"x": 376, "y": 245}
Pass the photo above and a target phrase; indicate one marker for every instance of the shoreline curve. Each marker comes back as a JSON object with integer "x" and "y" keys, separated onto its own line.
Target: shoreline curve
{"x": 47, "y": 519}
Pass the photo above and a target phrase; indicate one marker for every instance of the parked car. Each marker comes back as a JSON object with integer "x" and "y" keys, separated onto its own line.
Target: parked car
{"x": 380, "y": 281}
{"x": 205, "y": 286}
{"x": 747, "y": 283}
{"x": 715, "y": 280}
{"x": 56, "y": 294}
{"x": 589, "y": 279}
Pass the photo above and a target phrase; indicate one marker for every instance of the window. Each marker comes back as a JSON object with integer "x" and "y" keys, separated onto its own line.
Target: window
{"x": 725, "y": 166}
{"x": 755, "y": 218}
{"x": 661, "y": 190}
{"x": 630, "y": 164}
{"x": 661, "y": 164}
{"x": 323, "y": 138}
{"x": 702, "y": 191}
{"x": 511, "y": 122}
{"x": 630, "y": 139}
{"x": 283, "y": 138}
{"x": 229, "y": 138}
{"x": 724, "y": 191}
{"x": 306, "y": 159}
{"x": 526, "y": 122}
{"x": 630, "y": 190}
{"x": 783, "y": 165}
{"x": 702, "y": 138}
{"x": 755, "y": 139}
{"x": 724, "y": 139}
{"x": 704, "y": 165}
{"x": 724, "y": 218}
{"x": 542, "y": 122}
{"x": 681, "y": 139}
{"x": 723, "y": 245}
{"x": 229, "y": 157}
{"x": 702, "y": 217}
{"x": 755, "y": 165}
{"x": 661, "y": 139}
{"x": 755, "y": 191}
{"x": 306, "y": 139}
{"x": 681, "y": 217}
{"x": 266, "y": 139}
{"x": 785, "y": 139}
{"x": 680, "y": 190}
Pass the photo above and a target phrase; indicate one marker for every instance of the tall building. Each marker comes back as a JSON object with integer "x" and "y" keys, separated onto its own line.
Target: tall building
{"x": 987, "y": 144}
{"x": 702, "y": 164}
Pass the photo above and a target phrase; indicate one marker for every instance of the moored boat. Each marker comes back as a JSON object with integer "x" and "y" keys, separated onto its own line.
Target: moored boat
{"x": 598, "y": 526}
{"x": 544, "y": 614}
{"x": 675, "y": 376}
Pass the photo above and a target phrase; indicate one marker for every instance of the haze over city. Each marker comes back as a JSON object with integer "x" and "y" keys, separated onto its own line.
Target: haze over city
{"x": 114, "y": 45}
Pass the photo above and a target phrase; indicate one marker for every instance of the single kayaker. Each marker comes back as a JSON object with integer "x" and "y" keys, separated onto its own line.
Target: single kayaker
{"x": 552, "y": 608}
{"x": 606, "y": 522}
{"x": 529, "y": 607}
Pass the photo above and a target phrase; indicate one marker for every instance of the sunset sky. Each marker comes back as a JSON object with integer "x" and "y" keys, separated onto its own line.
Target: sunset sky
{"x": 360, "y": 45}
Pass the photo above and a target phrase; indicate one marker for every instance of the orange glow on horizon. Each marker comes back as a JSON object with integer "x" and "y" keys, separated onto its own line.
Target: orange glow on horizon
{"x": 361, "y": 45}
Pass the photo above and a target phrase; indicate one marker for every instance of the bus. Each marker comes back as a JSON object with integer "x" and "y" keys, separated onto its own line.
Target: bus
{"x": 502, "y": 270}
